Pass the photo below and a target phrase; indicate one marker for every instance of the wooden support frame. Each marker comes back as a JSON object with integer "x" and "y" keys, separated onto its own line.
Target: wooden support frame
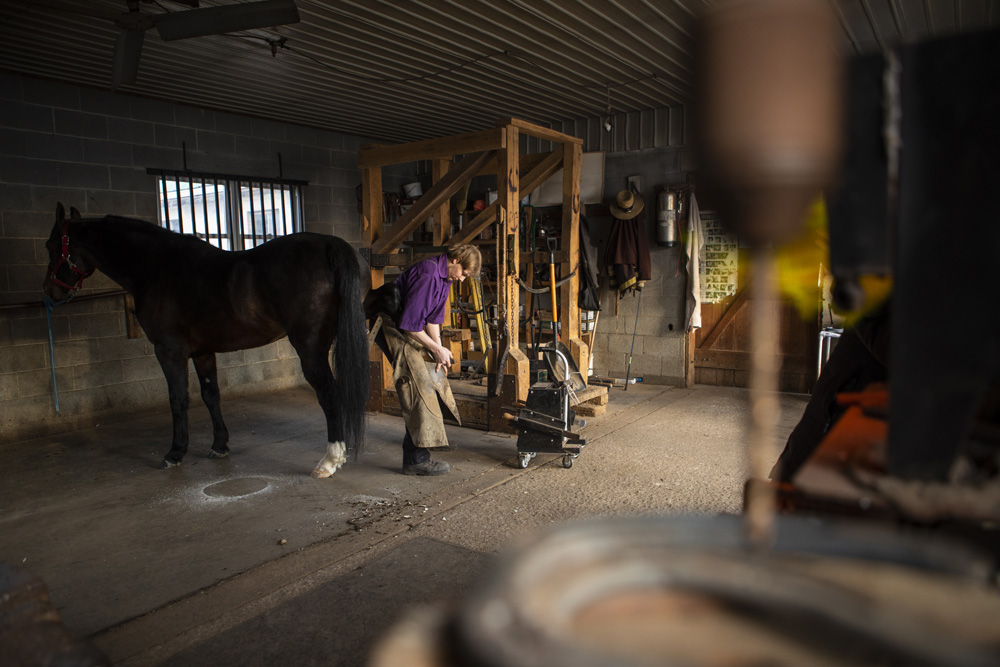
{"x": 455, "y": 160}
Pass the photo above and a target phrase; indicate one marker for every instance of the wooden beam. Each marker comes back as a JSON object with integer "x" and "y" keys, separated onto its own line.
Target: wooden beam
{"x": 432, "y": 200}
{"x": 572, "y": 163}
{"x": 442, "y": 216}
{"x": 407, "y": 258}
{"x": 508, "y": 292}
{"x": 371, "y": 230}
{"x": 737, "y": 360}
{"x": 542, "y": 171}
{"x": 727, "y": 318}
{"x": 474, "y": 227}
{"x": 441, "y": 232}
{"x": 540, "y": 132}
{"x": 432, "y": 149}
{"x": 689, "y": 352}
{"x": 527, "y": 163}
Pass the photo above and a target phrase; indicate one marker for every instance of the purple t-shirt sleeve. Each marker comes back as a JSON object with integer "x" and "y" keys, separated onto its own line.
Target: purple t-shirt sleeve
{"x": 425, "y": 293}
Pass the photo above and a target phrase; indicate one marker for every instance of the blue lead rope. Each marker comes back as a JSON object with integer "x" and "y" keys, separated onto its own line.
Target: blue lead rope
{"x": 49, "y": 305}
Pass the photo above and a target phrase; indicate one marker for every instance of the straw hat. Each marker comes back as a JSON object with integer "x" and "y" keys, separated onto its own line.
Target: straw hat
{"x": 627, "y": 205}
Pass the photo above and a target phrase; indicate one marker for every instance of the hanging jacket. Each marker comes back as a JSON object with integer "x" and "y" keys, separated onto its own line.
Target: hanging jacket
{"x": 627, "y": 254}
{"x": 589, "y": 297}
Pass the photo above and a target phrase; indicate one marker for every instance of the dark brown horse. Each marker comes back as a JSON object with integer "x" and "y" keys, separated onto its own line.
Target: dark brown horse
{"x": 194, "y": 300}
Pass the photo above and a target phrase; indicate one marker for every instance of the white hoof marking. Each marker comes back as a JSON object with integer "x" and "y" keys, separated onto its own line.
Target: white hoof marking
{"x": 336, "y": 456}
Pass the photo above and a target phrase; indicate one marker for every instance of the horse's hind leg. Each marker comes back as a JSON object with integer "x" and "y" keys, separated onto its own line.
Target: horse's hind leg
{"x": 204, "y": 366}
{"x": 316, "y": 369}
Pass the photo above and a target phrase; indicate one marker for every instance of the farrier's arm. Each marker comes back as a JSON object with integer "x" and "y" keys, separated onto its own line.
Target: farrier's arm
{"x": 430, "y": 337}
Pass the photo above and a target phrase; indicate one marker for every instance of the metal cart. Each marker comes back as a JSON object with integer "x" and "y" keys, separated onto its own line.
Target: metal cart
{"x": 544, "y": 423}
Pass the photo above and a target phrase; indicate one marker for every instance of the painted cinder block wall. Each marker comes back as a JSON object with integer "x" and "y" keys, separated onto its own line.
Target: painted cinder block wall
{"x": 90, "y": 149}
{"x": 658, "y": 351}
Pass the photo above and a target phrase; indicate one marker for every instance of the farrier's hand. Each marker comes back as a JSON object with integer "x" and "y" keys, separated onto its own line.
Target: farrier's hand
{"x": 443, "y": 357}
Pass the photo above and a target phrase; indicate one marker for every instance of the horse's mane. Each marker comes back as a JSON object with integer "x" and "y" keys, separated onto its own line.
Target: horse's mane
{"x": 152, "y": 231}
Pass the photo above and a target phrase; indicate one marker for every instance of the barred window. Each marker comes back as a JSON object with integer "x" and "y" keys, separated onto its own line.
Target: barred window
{"x": 230, "y": 212}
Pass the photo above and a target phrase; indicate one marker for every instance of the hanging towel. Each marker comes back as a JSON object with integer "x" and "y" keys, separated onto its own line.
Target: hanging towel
{"x": 694, "y": 239}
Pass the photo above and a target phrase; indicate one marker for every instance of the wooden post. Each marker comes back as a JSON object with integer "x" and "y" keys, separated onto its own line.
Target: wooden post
{"x": 442, "y": 230}
{"x": 371, "y": 230}
{"x": 508, "y": 202}
{"x": 569, "y": 299}
{"x": 689, "y": 357}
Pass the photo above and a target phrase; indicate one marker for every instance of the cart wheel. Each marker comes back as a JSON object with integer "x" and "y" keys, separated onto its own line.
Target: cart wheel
{"x": 523, "y": 459}
{"x": 568, "y": 461}
{"x": 534, "y": 454}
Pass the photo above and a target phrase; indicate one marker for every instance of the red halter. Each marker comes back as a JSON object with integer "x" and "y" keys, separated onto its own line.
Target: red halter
{"x": 64, "y": 259}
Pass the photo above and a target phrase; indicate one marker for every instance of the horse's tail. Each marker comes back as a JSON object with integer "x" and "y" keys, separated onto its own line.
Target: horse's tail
{"x": 350, "y": 352}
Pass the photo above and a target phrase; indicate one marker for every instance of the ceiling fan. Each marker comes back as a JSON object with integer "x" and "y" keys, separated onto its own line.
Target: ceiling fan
{"x": 194, "y": 22}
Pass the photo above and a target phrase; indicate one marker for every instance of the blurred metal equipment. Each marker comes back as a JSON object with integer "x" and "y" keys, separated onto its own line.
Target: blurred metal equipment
{"x": 769, "y": 112}
{"x": 915, "y": 200}
{"x": 769, "y": 138}
{"x": 946, "y": 252}
{"x": 858, "y": 201}
{"x": 693, "y": 591}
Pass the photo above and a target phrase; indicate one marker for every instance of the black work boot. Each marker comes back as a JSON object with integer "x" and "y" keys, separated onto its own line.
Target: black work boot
{"x": 426, "y": 468}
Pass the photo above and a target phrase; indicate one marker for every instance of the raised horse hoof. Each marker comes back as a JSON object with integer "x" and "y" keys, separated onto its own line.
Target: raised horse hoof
{"x": 166, "y": 463}
{"x": 213, "y": 454}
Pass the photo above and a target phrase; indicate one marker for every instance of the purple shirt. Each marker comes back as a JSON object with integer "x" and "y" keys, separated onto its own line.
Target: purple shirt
{"x": 424, "y": 287}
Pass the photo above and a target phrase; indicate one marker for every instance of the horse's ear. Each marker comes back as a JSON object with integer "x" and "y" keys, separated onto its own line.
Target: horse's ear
{"x": 60, "y": 212}
{"x": 73, "y": 213}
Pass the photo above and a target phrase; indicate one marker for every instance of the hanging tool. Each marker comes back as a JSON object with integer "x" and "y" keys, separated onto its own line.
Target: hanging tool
{"x": 551, "y": 243}
{"x": 485, "y": 345}
{"x": 635, "y": 327}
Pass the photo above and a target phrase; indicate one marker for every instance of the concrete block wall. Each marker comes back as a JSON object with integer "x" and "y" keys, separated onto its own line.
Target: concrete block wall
{"x": 90, "y": 149}
{"x": 658, "y": 348}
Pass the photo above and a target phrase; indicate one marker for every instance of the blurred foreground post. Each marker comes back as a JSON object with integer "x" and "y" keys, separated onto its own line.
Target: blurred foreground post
{"x": 769, "y": 137}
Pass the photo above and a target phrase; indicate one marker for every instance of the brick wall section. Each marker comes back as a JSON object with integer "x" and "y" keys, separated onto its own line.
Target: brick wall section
{"x": 90, "y": 149}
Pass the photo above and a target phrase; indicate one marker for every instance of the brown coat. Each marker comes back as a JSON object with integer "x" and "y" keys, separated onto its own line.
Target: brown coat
{"x": 626, "y": 256}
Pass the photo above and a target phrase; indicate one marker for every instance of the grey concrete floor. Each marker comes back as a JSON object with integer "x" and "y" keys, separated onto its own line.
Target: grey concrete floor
{"x": 249, "y": 560}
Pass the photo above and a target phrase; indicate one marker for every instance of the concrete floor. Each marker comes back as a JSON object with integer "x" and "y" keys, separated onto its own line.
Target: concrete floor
{"x": 188, "y": 566}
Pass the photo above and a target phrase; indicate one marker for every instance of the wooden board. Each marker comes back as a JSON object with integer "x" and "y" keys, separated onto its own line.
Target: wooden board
{"x": 721, "y": 352}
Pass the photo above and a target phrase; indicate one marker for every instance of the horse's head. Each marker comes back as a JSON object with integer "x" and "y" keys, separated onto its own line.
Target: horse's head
{"x": 67, "y": 266}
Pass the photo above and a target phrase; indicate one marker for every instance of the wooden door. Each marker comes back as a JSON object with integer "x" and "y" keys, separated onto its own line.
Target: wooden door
{"x": 722, "y": 345}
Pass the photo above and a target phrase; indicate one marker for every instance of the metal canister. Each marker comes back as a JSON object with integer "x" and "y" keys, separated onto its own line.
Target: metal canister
{"x": 666, "y": 218}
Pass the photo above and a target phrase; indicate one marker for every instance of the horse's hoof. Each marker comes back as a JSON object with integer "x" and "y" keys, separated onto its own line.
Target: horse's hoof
{"x": 166, "y": 463}
{"x": 335, "y": 457}
{"x": 213, "y": 454}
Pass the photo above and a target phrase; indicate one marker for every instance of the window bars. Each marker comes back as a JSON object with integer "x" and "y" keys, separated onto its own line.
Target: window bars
{"x": 230, "y": 212}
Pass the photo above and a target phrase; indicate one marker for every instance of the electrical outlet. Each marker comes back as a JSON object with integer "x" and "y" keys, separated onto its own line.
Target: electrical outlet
{"x": 635, "y": 183}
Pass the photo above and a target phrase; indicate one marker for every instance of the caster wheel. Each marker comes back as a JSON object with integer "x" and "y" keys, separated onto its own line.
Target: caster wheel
{"x": 522, "y": 460}
{"x": 567, "y": 461}
{"x": 534, "y": 454}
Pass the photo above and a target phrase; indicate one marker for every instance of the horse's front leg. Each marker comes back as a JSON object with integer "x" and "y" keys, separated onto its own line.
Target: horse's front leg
{"x": 174, "y": 368}
{"x": 208, "y": 378}
{"x": 316, "y": 369}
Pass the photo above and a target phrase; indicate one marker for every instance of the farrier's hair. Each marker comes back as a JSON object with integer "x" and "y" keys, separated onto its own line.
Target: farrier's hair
{"x": 468, "y": 256}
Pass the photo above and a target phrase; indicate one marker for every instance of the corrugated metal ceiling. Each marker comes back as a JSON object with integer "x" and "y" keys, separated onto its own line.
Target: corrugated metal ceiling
{"x": 398, "y": 71}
